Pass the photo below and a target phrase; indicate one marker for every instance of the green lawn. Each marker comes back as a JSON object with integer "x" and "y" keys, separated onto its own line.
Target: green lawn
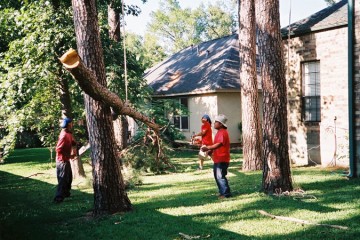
{"x": 181, "y": 202}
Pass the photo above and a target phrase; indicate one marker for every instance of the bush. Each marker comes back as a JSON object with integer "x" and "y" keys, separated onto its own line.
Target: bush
{"x": 132, "y": 177}
{"x": 27, "y": 139}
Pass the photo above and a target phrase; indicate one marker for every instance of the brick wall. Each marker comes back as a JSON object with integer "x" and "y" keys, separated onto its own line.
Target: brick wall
{"x": 324, "y": 143}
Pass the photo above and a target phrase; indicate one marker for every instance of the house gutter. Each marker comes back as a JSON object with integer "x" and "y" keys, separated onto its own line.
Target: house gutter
{"x": 197, "y": 93}
{"x": 352, "y": 166}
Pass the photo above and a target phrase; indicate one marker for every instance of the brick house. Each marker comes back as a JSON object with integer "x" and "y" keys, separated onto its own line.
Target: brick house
{"x": 205, "y": 79}
{"x": 316, "y": 58}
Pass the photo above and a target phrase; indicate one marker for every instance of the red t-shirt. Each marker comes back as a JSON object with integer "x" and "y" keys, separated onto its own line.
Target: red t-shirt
{"x": 207, "y": 138}
{"x": 64, "y": 146}
{"x": 222, "y": 154}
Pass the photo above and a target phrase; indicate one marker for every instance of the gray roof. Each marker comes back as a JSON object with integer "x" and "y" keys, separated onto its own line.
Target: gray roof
{"x": 208, "y": 67}
{"x": 331, "y": 17}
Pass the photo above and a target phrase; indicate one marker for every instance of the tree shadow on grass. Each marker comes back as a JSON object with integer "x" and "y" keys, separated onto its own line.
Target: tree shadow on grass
{"x": 250, "y": 182}
{"x": 189, "y": 207}
{"x": 327, "y": 194}
{"x": 28, "y": 213}
{"x": 27, "y": 210}
{"x": 214, "y": 219}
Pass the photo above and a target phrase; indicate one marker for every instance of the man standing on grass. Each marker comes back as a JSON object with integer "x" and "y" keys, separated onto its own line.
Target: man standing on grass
{"x": 63, "y": 156}
{"x": 220, "y": 152}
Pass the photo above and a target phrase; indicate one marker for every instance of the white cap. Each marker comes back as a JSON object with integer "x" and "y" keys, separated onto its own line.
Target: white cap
{"x": 221, "y": 118}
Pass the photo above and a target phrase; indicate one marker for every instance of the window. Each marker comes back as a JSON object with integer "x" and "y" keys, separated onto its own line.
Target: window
{"x": 311, "y": 91}
{"x": 181, "y": 119}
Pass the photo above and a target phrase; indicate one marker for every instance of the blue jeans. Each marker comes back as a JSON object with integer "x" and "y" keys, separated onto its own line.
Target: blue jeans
{"x": 220, "y": 172}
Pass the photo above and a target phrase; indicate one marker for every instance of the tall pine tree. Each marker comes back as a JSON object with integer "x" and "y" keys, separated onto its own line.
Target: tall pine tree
{"x": 276, "y": 172}
{"x": 251, "y": 135}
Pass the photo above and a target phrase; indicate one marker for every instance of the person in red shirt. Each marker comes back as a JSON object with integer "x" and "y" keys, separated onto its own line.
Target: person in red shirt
{"x": 220, "y": 152}
{"x": 206, "y": 138}
{"x": 63, "y": 156}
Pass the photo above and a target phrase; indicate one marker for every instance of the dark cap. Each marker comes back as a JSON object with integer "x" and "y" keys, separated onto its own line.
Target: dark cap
{"x": 65, "y": 122}
{"x": 207, "y": 118}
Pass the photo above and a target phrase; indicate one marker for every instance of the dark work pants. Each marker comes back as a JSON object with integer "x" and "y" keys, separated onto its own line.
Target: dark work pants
{"x": 64, "y": 177}
{"x": 220, "y": 172}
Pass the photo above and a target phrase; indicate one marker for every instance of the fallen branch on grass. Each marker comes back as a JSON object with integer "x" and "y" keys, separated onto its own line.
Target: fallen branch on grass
{"x": 300, "y": 221}
{"x": 33, "y": 175}
{"x": 296, "y": 194}
{"x": 185, "y": 236}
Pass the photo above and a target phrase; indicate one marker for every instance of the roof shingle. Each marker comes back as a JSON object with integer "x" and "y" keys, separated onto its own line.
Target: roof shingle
{"x": 209, "y": 66}
{"x": 330, "y": 17}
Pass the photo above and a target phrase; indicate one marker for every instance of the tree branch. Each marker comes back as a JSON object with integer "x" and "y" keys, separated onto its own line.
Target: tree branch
{"x": 88, "y": 83}
{"x": 300, "y": 221}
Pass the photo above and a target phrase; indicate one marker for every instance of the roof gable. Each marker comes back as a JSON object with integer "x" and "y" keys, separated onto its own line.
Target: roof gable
{"x": 328, "y": 18}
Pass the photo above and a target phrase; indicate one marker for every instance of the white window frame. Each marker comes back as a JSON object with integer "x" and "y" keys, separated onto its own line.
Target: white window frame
{"x": 311, "y": 105}
{"x": 181, "y": 117}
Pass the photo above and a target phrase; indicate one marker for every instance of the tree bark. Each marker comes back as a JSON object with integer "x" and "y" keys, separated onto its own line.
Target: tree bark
{"x": 120, "y": 123}
{"x": 276, "y": 172}
{"x": 249, "y": 87}
{"x": 77, "y": 167}
{"x": 114, "y": 23}
{"x": 88, "y": 83}
{"x": 66, "y": 109}
{"x": 121, "y": 127}
{"x": 109, "y": 189}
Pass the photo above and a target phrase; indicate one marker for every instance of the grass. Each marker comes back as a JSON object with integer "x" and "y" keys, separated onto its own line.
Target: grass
{"x": 181, "y": 202}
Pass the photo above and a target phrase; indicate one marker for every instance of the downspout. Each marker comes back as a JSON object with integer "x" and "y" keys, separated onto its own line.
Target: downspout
{"x": 352, "y": 170}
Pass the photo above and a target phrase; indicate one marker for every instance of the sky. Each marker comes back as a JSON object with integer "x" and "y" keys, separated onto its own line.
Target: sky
{"x": 299, "y": 9}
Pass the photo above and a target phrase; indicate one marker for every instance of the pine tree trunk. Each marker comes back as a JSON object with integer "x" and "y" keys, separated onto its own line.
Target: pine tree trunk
{"x": 276, "y": 172}
{"x": 109, "y": 188}
{"x": 120, "y": 123}
{"x": 77, "y": 167}
{"x": 66, "y": 109}
{"x": 124, "y": 131}
{"x": 114, "y": 23}
{"x": 249, "y": 87}
{"x": 121, "y": 131}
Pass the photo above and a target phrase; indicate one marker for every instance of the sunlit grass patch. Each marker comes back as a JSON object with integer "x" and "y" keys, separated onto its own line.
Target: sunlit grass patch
{"x": 181, "y": 201}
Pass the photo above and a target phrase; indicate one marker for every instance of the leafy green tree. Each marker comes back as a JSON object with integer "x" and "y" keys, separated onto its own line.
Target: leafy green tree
{"x": 147, "y": 51}
{"x": 114, "y": 58}
{"x": 15, "y": 4}
{"x": 177, "y": 28}
{"x": 30, "y": 70}
{"x": 214, "y": 21}
{"x": 34, "y": 35}
{"x": 7, "y": 25}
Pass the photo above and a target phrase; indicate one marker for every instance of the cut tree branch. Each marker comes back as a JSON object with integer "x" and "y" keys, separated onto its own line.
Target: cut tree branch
{"x": 300, "y": 220}
{"x": 33, "y": 175}
{"x": 88, "y": 83}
